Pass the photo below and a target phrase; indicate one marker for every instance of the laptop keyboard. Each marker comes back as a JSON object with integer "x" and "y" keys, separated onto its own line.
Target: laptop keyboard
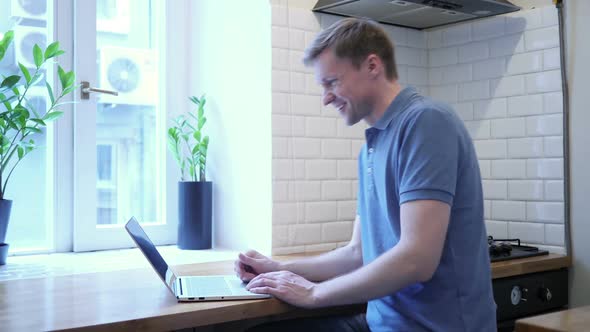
{"x": 207, "y": 286}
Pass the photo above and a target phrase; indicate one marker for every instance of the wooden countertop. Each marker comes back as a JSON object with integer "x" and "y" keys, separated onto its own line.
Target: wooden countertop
{"x": 520, "y": 266}
{"x": 571, "y": 320}
{"x": 138, "y": 300}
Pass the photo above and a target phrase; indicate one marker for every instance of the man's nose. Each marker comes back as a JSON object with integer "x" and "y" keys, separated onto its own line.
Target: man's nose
{"x": 328, "y": 98}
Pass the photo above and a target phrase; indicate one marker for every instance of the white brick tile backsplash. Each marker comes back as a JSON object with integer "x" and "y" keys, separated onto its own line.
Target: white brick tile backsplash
{"x": 402, "y": 74}
{"x": 345, "y": 131}
{"x": 554, "y": 235}
{"x": 398, "y": 35}
{"x": 464, "y": 111}
{"x": 508, "y": 128}
{"x": 308, "y": 190}
{"x": 485, "y": 169}
{"x": 528, "y": 147}
{"x": 473, "y": 52}
{"x": 305, "y": 234}
{"x": 356, "y": 146}
{"x": 321, "y": 211}
{"x": 337, "y": 231}
{"x": 416, "y": 38}
{"x": 443, "y": 57}
{"x": 553, "y": 146}
{"x": 434, "y": 38}
{"x": 307, "y": 147}
{"x": 546, "y": 81}
{"x": 284, "y": 213}
{"x": 297, "y": 82}
{"x": 347, "y": 210}
{"x": 336, "y": 148}
{"x": 280, "y": 103}
{"x": 545, "y": 168}
{"x": 457, "y": 35}
{"x": 474, "y": 90}
{"x": 296, "y": 62}
{"x": 296, "y": 39}
{"x": 525, "y": 63}
{"x": 279, "y": 16}
{"x": 280, "y": 58}
{"x": 551, "y": 59}
{"x": 554, "y": 190}
{"x": 507, "y": 86}
{"x": 495, "y": 189}
{"x": 457, "y": 73}
{"x": 311, "y": 86}
{"x": 553, "y": 102}
{"x": 491, "y": 68}
{"x": 446, "y": 93}
{"x": 525, "y": 190}
{"x": 281, "y": 125}
{"x": 305, "y": 104}
{"x": 280, "y": 236}
{"x": 545, "y": 211}
{"x": 320, "y": 127}
{"x": 298, "y": 170}
{"x": 527, "y": 232}
{"x": 497, "y": 229}
{"x": 544, "y": 125}
{"x": 304, "y": 19}
{"x": 298, "y": 126}
{"x": 541, "y": 38}
{"x": 478, "y": 129}
{"x": 282, "y": 169}
{"x": 280, "y": 37}
{"x": 411, "y": 56}
{"x": 280, "y": 147}
{"x": 336, "y": 190}
{"x": 280, "y": 81}
{"x": 280, "y": 191}
{"x": 549, "y": 15}
{"x": 508, "y": 210}
{"x": 523, "y": 20}
{"x": 320, "y": 169}
{"x": 436, "y": 75}
{"x": 488, "y": 28}
{"x": 490, "y": 109}
{"x": 525, "y": 105}
{"x": 487, "y": 209}
{"x": 509, "y": 169}
{"x": 347, "y": 169}
{"x": 417, "y": 75}
{"x": 507, "y": 45}
{"x": 490, "y": 149}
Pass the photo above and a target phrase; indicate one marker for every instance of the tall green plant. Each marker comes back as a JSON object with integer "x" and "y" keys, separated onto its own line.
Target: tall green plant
{"x": 187, "y": 144}
{"x": 18, "y": 118}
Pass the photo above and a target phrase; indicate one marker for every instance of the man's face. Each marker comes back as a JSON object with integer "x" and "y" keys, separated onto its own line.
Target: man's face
{"x": 345, "y": 87}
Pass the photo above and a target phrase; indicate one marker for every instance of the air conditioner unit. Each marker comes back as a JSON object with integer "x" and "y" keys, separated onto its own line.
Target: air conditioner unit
{"x": 30, "y": 9}
{"x": 25, "y": 38}
{"x": 131, "y": 72}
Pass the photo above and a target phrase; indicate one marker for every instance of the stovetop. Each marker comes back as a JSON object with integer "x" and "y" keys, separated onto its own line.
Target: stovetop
{"x": 505, "y": 249}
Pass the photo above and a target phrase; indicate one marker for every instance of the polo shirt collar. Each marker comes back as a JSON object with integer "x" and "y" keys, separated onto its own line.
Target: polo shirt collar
{"x": 399, "y": 103}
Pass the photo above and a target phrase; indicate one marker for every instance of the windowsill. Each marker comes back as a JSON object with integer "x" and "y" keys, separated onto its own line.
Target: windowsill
{"x": 62, "y": 264}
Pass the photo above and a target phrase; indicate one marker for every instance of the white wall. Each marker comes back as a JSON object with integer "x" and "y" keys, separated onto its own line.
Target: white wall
{"x": 230, "y": 66}
{"x": 578, "y": 52}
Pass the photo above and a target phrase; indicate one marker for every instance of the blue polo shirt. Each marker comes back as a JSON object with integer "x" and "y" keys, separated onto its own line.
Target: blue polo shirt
{"x": 420, "y": 149}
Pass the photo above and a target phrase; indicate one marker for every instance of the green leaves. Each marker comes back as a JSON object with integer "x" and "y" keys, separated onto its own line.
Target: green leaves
{"x": 10, "y": 81}
{"x": 187, "y": 144}
{"x": 38, "y": 56}
{"x": 8, "y": 37}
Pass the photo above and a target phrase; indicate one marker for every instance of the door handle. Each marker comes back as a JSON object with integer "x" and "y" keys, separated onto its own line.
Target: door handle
{"x": 86, "y": 89}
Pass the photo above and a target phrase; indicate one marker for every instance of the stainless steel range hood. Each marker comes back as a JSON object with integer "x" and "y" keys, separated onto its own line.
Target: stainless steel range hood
{"x": 417, "y": 14}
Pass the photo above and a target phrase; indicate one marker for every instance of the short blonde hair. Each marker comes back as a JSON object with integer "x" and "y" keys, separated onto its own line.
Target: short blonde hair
{"x": 354, "y": 39}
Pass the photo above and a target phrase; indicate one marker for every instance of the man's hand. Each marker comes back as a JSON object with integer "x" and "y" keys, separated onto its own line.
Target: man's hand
{"x": 286, "y": 286}
{"x": 250, "y": 264}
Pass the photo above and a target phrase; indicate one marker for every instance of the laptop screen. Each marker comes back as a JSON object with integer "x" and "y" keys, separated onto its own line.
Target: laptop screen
{"x": 147, "y": 247}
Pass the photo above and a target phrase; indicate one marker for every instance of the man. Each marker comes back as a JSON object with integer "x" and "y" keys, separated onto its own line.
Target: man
{"x": 418, "y": 253}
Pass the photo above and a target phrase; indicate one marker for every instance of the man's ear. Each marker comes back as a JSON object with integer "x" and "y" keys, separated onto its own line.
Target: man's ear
{"x": 374, "y": 65}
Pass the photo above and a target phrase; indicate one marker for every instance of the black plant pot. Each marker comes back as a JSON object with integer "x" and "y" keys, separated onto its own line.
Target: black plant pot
{"x": 5, "y": 206}
{"x": 194, "y": 214}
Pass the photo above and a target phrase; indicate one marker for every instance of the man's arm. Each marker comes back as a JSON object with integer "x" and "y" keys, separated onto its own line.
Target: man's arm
{"x": 316, "y": 268}
{"x": 414, "y": 259}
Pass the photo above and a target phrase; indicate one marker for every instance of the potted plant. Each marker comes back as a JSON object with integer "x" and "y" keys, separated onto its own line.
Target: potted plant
{"x": 195, "y": 194}
{"x": 20, "y": 121}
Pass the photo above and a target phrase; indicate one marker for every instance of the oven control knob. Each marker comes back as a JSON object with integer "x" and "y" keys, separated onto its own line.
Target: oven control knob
{"x": 515, "y": 295}
{"x": 545, "y": 294}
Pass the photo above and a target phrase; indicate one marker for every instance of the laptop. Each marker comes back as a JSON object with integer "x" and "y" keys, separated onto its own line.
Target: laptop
{"x": 190, "y": 288}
